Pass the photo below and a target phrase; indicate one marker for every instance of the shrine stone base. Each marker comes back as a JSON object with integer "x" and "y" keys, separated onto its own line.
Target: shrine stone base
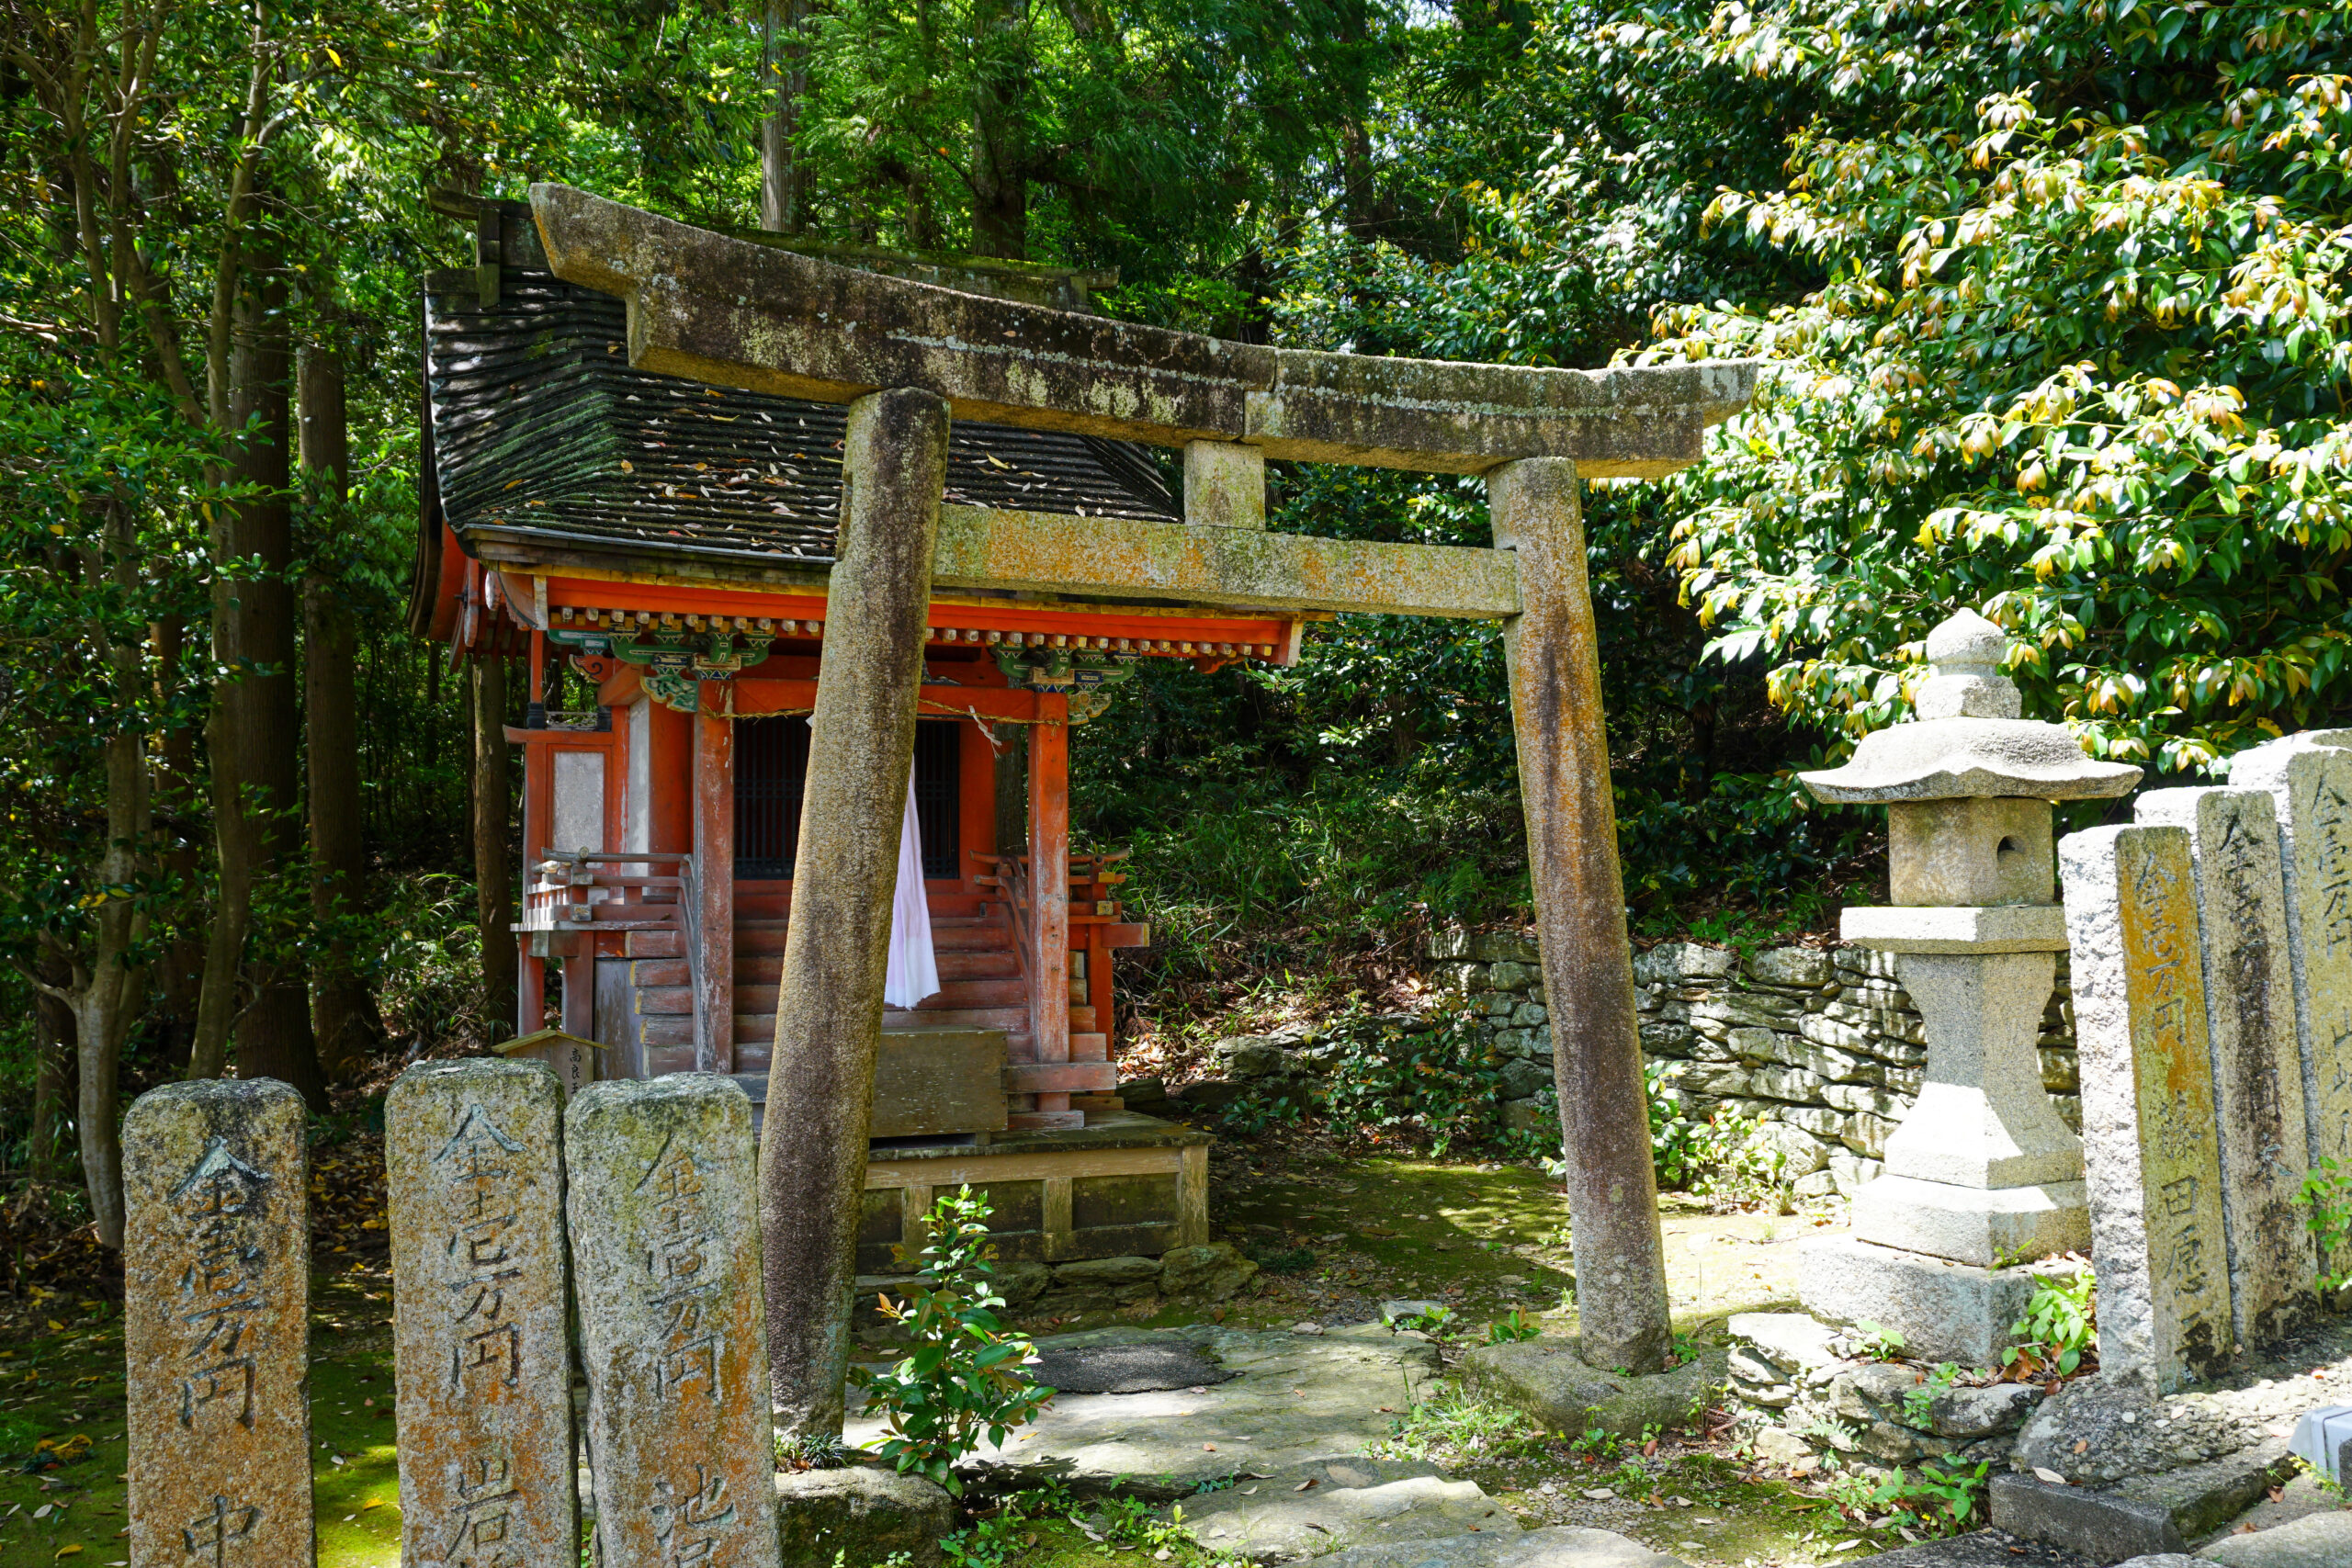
{"x": 1983, "y": 1226}
{"x": 1945, "y": 1311}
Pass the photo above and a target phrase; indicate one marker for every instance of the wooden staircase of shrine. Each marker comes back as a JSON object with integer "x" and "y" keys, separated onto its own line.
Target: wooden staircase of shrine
{"x": 982, "y": 986}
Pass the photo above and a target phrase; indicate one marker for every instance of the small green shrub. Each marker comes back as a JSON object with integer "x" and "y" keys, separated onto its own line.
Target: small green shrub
{"x": 1943, "y": 1496}
{"x": 1876, "y": 1343}
{"x": 965, "y": 1377}
{"x": 1512, "y": 1330}
{"x": 1455, "y": 1429}
{"x": 1920, "y": 1400}
{"x": 2327, "y": 1194}
{"x": 2059, "y": 1326}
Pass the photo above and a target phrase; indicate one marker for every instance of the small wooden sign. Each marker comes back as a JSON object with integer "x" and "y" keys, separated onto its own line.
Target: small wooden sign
{"x": 572, "y": 1058}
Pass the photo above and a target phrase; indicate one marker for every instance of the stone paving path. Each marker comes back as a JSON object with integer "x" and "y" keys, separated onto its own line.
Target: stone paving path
{"x": 1282, "y": 1443}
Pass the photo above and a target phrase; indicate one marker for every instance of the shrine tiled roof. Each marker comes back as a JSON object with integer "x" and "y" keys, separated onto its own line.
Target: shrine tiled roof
{"x": 539, "y": 427}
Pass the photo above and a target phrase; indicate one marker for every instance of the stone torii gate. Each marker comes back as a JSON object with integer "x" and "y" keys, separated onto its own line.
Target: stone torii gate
{"x": 907, "y": 357}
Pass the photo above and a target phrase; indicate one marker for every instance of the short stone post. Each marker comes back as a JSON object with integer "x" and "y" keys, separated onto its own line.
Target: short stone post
{"x": 1554, "y": 660}
{"x": 1982, "y": 1176}
{"x": 217, "y": 1301}
{"x": 666, "y": 1252}
{"x": 829, "y": 1005}
{"x": 2148, "y": 1113}
{"x": 2257, "y": 1071}
{"x": 474, "y": 1153}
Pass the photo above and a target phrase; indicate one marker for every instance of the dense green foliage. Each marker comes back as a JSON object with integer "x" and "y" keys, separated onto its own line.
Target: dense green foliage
{"x": 2053, "y": 293}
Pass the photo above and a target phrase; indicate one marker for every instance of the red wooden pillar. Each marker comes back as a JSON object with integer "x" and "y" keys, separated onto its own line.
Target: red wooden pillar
{"x": 714, "y": 852}
{"x": 1049, "y": 887}
{"x": 538, "y": 810}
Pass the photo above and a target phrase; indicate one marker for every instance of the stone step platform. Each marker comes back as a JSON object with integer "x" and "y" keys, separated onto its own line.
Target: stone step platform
{"x": 1979, "y": 1548}
{"x": 1316, "y": 1510}
{"x": 1553, "y": 1546}
{"x": 1299, "y": 1400}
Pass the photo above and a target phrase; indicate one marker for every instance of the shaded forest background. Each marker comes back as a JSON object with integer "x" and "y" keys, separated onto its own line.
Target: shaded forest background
{"x": 2052, "y": 291}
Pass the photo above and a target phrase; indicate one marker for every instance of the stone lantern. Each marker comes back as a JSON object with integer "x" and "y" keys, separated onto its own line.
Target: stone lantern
{"x": 1982, "y": 1176}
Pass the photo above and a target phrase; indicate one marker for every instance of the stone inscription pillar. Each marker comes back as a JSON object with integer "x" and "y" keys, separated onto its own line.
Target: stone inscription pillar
{"x": 2309, "y": 779}
{"x": 474, "y": 1153}
{"x": 217, "y": 1301}
{"x": 2257, "y": 1071}
{"x": 1554, "y": 660}
{"x": 2149, "y": 1138}
{"x": 665, "y": 1250}
{"x": 836, "y": 951}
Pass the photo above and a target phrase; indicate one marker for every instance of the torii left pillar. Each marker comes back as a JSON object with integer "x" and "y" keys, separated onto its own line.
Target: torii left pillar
{"x": 1553, "y": 658}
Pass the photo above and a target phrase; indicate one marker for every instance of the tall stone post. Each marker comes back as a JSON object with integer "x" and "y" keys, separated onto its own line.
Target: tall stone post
{"x": 215, "y": 1265}
{"x": 1982, "y": 1176}
{"x": 474, "y": 1153}
{"x": 1553, "y": 658}
{"x": 829, "y": 1006}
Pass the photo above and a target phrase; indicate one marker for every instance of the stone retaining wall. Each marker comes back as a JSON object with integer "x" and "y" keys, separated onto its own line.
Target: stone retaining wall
{"x": 1820, "y": 1046}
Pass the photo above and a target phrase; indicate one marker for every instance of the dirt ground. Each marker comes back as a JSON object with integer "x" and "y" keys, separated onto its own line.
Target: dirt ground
{"x": 1334, "y": 1236}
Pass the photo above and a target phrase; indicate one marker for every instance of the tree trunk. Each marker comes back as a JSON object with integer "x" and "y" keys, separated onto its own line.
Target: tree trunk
{"x": 273, "y": 1033}
{"x": 493, "y": 889}
{"x": 343, "y": 1012}
{"x": 179, "y": 967}
{"x": 784, "y": 197}
{"x": 52, "y": 1077}
{"x": 999, "y": 153}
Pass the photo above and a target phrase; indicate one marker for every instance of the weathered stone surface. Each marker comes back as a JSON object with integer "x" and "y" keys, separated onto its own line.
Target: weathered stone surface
{"x": 2316, "y": 1541}
{"x": 1986, "y": 1226}
{"x": 1985, "y": 1549}
{"x": 1806, "y": 966}
{"x": 2257, "y": 1069}
{"x": 1546, "y": 1378}
{"x": 1999, "y": 928}
{"x": 868, "y": 1512}
{"x": 1794, "y": 1343}
{"x": 1945, "y": 1311}
{"x": 1983, "y": 1412}
{"x": 1523, "y": 1079}
{"x": 1484, "y": 947}
{"x": 2309, "y": 779}
{"x": 1553, "y": 1546}
{"x": 217, "y": 1289}
{"x": 2102, "y": 1525}
{"x": 2203, "y": 1497}
{"x": 665, "y": 1242}
{"x": 1871, "y": 1391}
{"x": 1299, "y": 1398}
{"x": 1107, "y": 1271}
{"x": 2148, "y": 1109}
{"x": 473, "y": 1154}
{"x": 1315, "y": 1510}
{"x": 1213, "y": 1272}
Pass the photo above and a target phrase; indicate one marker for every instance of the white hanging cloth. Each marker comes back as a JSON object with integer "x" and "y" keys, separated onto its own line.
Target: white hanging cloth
{"x": 915, "y": 970}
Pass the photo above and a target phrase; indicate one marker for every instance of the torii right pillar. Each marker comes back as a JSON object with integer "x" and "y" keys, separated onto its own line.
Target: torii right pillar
{"x": 1554, "y": 656}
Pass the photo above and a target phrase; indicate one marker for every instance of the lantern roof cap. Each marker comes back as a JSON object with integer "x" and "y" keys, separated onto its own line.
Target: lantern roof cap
{"x": 1969, "y": 740}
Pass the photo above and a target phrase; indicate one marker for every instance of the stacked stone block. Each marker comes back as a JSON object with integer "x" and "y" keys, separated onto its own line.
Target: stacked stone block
{"x": 1819, "y": 1045}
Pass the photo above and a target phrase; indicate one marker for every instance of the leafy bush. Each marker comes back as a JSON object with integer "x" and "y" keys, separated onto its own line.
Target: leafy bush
{"x": 1441, "y": 1085}
{"x": 1512, "y": 1329}
{"x": 2327, "y": 1194}
{"x": 1943, "y": 1496}
{"x": 2059, "y": 1328}
{"x": 965, "y": 1378}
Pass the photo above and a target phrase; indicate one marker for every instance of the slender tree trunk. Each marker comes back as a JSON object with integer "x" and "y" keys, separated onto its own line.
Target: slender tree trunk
{"x": 999, "y": 153}
{"x": 784, "y": 199}
{"x": 343, "y": 1012}
{"x": 493, "y": 886}
{"x": 274, "y": 1031}
{"x": 52, "y": 1074}
{"x": 179, "y": 968}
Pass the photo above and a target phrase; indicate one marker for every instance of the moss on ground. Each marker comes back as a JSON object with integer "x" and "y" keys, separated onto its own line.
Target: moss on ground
{"x": 1337, "y": 1236}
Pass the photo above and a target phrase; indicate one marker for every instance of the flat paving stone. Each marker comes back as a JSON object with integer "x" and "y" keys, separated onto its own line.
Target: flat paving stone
{"x": 1293, "y": 1399}
{"x": 1980, "y": 1549}
{"x": 1553, "y": 1546}
{"x": 1338, "y": 1504}
{"x": 1127, "y": 1369}
{"x": 2315, "y": 1540}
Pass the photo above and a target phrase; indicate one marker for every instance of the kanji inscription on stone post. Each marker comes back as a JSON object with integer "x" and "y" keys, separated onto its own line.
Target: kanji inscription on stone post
{"x": 473, "y": 1150}
{"x": 2151, "y": 1145}
{"x": 665, "y": 1240}
{"x": 2310, "y": 782}
{"x": 2257, "y": 1071}
{"x": 217, "y": 1297}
